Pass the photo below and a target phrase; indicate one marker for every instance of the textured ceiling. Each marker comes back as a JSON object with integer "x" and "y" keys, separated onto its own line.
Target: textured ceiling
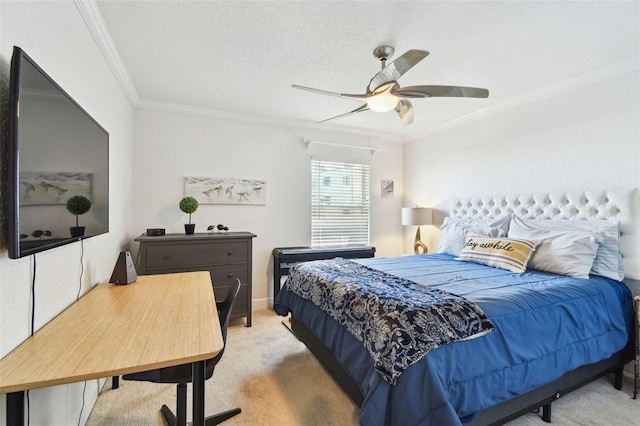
{"x": 239, "y": 58}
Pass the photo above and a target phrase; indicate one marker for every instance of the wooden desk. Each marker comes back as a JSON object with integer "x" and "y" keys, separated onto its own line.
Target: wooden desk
{"x": 157, "y": 321}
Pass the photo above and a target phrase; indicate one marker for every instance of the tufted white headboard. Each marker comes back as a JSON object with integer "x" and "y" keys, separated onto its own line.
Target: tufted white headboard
{"x": 621, "y": 204}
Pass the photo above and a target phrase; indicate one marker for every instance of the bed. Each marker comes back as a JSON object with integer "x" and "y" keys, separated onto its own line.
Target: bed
{"x": 531, "y": 336}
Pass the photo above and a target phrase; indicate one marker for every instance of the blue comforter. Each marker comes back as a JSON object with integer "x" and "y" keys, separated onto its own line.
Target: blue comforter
{"x": 545, "y": 325}
{"x": 397, "y": 320}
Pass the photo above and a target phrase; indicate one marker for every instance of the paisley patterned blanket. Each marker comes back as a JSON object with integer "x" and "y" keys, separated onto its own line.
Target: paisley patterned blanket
{"x": 397, "y": 320}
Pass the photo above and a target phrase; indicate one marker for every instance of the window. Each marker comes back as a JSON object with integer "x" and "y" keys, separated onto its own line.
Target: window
{"x": 339, "y": 204}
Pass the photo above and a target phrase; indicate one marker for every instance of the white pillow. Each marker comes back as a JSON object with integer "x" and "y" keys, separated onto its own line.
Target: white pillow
{"x": 454, "y": 230}
{"x": 560, "y": 251}
{"x": 608, "y": 261}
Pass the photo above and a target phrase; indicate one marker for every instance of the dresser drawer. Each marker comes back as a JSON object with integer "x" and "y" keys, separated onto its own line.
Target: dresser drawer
{"x": 195, "y": 254}
{"x": 224, "y": 275}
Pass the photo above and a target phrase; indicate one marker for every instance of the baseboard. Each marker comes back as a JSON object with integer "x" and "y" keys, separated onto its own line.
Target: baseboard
{"x": 629, "y": 369}
{"x": 261, "y": 304}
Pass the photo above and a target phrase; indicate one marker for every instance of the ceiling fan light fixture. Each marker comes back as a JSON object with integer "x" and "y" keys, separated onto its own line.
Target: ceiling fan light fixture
{"x": 384, "y": 93}
{"x": 382, "y": 102}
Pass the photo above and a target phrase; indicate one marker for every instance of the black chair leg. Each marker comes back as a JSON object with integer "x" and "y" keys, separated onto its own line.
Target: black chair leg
{"x": 180, "y": 418}
{"x": 181, "y": 405}
{"x": 221, "y": 417}
{"x": 168, "y": 416}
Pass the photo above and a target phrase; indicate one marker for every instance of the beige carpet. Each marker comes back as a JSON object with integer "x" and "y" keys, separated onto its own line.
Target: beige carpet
{"x": 269, "y": 374}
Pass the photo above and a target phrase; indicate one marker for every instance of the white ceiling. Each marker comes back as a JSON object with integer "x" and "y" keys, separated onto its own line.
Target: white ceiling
{"x": 238, "y": 59}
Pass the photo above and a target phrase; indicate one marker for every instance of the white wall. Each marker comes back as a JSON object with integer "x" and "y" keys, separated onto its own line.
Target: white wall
{"x": 55, "y": 36}
{"x": 170, "y": 146}
{"x": 588, "y": 137}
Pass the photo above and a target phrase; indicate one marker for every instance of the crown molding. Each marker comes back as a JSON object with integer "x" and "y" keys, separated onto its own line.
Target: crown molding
{"x": 145, "y": 104}
{"x": 95, "y": 23}
{"x": 600, "y": 74}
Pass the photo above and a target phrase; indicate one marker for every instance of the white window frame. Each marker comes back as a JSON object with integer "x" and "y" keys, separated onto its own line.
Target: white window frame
{"x": 340, "y": 203}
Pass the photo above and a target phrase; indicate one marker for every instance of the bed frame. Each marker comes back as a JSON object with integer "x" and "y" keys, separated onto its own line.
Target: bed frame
{"x": 621, "y": 204}
{"x": 498, "y": 414}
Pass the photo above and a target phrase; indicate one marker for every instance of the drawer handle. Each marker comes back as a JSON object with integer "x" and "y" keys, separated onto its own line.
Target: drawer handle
{"x": 167, "y": 256}
{"x": 230, "y": 253}
{"x": 230, "y": 275}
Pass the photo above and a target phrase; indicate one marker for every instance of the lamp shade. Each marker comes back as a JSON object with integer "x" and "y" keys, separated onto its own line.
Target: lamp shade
{"x": 416, "y": 216}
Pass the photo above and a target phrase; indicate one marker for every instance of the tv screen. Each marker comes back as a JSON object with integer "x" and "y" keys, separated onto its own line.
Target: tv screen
{"x": 58, "y": 164}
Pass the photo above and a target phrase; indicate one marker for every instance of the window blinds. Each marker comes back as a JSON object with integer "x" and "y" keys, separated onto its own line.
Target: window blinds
{"x": 339, "y": 204}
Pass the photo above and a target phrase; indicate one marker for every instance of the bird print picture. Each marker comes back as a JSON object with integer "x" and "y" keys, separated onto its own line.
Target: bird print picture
{"x": 212, "y": 190}
{"x": 38, "y": 188}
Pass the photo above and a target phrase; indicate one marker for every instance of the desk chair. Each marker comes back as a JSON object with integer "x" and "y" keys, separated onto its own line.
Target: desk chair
{"x": 182, "y": 374}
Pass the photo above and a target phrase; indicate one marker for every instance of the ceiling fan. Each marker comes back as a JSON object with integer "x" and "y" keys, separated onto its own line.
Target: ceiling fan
{"x": 384, "y": 93}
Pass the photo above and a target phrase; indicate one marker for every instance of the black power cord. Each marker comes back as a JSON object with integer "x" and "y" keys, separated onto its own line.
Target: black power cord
{"x": 81, "y": 268}
{"x": 33, "y": 322}
{"x": 33, "y": 297}
{"x": 33, "y": 316}
{"x": 84, "y": 390}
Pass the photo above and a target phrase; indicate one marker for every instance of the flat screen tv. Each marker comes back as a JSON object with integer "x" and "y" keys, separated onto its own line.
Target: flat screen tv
{"x": 56, "y": 152}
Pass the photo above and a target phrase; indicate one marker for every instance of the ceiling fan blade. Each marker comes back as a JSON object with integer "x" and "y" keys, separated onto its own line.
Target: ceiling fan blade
{"x": 326, "y": 92}
{"x": 405, "y": 111}
{"x": 440, "y": 91}
{"x": 395, "y": 70}
{"x": 361, "y": 108}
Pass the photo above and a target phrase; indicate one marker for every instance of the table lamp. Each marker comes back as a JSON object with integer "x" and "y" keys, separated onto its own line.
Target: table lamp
{"x": 417, "y": 216}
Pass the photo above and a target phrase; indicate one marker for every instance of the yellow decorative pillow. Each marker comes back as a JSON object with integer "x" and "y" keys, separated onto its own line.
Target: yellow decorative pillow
{"x": 511, "y": 254}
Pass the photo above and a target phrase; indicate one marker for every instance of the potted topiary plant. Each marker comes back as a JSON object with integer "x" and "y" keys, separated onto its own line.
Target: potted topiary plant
{"x": 189, "y": 205}
{"x": 77, "y": 205}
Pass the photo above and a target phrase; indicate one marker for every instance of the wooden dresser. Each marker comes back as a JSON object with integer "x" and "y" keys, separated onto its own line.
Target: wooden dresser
{"x": 225, "y": 255}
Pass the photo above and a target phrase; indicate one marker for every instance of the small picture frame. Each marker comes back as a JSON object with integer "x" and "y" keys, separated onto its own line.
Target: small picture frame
{"x": 386, "y": 188}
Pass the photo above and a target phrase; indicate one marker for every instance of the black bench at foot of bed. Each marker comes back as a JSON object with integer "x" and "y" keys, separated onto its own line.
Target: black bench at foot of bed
{"x": 498, "y": 414}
